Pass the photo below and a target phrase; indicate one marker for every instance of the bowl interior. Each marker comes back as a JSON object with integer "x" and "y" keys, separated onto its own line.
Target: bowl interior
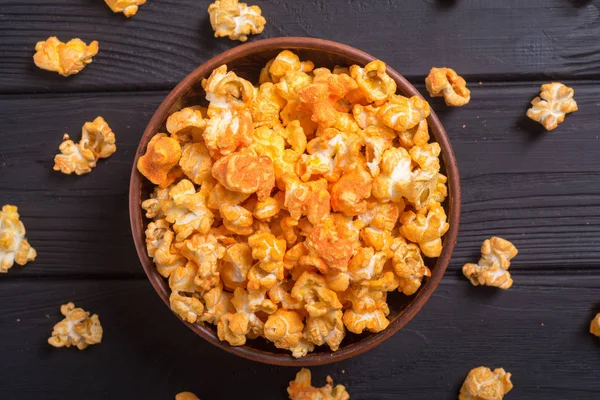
{"x": 247, "y": 61}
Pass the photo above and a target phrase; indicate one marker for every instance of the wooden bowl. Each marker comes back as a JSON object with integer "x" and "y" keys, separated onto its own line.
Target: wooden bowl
{"x": 247, "y": 60}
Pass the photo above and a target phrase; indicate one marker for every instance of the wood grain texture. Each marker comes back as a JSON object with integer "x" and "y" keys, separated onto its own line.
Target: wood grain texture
{"x": 167, "y": 39}
{"x": 148, "y": 353}
{"x": 538, "y": 189}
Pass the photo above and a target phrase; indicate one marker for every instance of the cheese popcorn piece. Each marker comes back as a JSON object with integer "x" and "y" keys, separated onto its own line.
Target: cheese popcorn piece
{"x": 159, "y": 240}
{"x": 408, "y": 266}
{"x": 128, "y": 7}
{"x": 492, "y": 269}
{"x": 237, "y": 260}
{"x": 269, "y": 251}
{"x": 196, "y": 163}
{"x": 246, "y": 173}
{"x": 329, "y": 245}
{"x": 190, "y": 212}
{"x": 401, "y": 113}
{"x": 553, "y": 104}
{"x": 284, "y": 329}
{"x": 233, "y": 328}
{"x": 395, "y": 176}
{"x": 369, "y": 310}
{"x": 77, "y": 329}
{"x": 483, "y": 384}
{"x": 159, "y": 162}
{"x": 187, "y": 308}
{"x": 374, "y": 83}
{"x": 266, "y": 106}
{"x": 217, "y": 303}
{"x": 311, "y": 198}
{"x": 237, "y": 219}
{"x": 226, "y": 91}
{"x": 235, "y": 20}
{"x": 186, "y": 125}
{"x": 349, "y": 194}
{"x": 14, "y": 247}
{"x": 595, "y": 326}
{"x": 97, "y": 141}
{"x": 446, "y": 83}
{"x": 186, "y": 396}
{"x": 278, "y": 67}
{"x": 65, "y": 58}
{"x": 425, "y": 228}
{"x": 302, "y": 389}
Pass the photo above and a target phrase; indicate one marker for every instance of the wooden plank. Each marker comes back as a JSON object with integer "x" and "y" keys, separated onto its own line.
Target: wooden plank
{"x": 167, "y": 39}
{"x": 537, "y": 189}
{"x": 537, "y": 333}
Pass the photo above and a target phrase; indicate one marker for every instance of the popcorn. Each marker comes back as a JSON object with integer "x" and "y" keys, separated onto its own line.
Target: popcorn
{"x": 426, "y": 227}
{"x": 77, "y": 329}
{"x": 374, "y": 84}
{"x": 97, "y": 141}
{"x": 368, "y": 311}
{"x": 161, "y": 158}
{"x": 595, "y": 326}
{"x": 186, "y": 125}
{"x": 492, "y": 268}
{"x": 14, "y": 247}
{"x": 65, "y": 58}
{"x": 301, "y": 389}
{"x": 235, "y": 20}
{"x": 186, "y": 396}
{"x": 246, "y": 173}
{"x": 281, "y": 210}
{"x": 401, "y": 113}
{"x": 483, "y": 384}
{"x": 187, "y": 308}
{"x": 555, "y": 101}
{"x": 445, "y": 82}
{"x": 128, "y": 7}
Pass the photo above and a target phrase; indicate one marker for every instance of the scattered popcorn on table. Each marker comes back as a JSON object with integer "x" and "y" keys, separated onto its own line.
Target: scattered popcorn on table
{"x": 483, "y": 384}
{"x": 445, "y": 82}
{"x": 291, "y": 210}
{"x": 236, "y": 20}
{"x": 302, "y": 389}
{"x": 77, "y": 329}
{"x": 186, "y": 396}
{"x": 14, "y": 247}
{"x": 555, "y": 101}
{"x": 128, "y": 7}
{"x": 97, "y": 141}
{"x": 65, "y": 58}
{"x": 492, "y": 268}
{"x": 595, "y": 325}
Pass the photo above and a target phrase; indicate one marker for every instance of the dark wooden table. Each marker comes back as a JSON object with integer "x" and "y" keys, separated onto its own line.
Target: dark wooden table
{"x": 540, "y": 190}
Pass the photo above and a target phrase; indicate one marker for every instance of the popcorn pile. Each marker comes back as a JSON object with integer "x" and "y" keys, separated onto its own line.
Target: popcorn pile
{"x": 301, "y": 389}
{"x": 288, "y": 211}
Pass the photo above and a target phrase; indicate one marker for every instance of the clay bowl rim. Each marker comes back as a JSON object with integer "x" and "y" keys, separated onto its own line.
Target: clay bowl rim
{"x": 370, "y": 340}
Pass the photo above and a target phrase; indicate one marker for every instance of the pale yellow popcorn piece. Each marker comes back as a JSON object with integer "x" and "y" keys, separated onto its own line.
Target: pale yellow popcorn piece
{"x": 302, "y": 389}
{"x": 492, "y": 268}
{"x": 217, "y": 303}
{"x": 14, "y": 247}
{"x": 128, "y": 7}
{"x": 183, "y": 277}
{"x": 77, "y": 329}
{"x": 445, "y": 82}
{"x": 408, "y": 266}
{"x": 269, "y": 252}
{"x": 205, "y": 251}
{"x": 190, "y": 212}
{"x": 65, "y": 58}
{"x": 187, "y": 308}
{"x": 426, "y": 227}
{"x": 595, "y": 326}
{"x": 159, "y": 240}
{"x": 279, "y": 66}
{"x": 235, "y": 20}
{"x": 369, "y": 310}
{"x": 237, "y": 260}
{"x": 483, "y": 384}
{"x": 97, "y": 141}
{"x": 374, "y": 83}
{"x": 186, "y": 396}
{"x": 555, "y": 101}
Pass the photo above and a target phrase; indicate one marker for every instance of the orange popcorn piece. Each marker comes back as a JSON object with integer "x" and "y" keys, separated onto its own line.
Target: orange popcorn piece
{"x": 205, "y": 251}
{"x": 302, "y": 389}
{"x": 226, "y": 91}
{"x": 325, "y": 329}
{"x": 483, "y": 384}
{"x": 492, "y": 268}
{"x": 306, "y": 198}
{"x": 188, "y": 309}
{"x": 228, "y": 131}
{"x": 266, "y": 209}
{"x": 284, "y": 329}
{"x": 246, "y": 173}
{"x": 266, "y": 106}
{"x": 369, "y": 310}
{"x": 426, "y": 227}
{"x": 14, "y": 247}
{"x": 196, "y": 163}
{"x": 374, "y": 84}
{"x": 186, "y": 396}
{"x": 77, "y": 329}
{"x": 401, "y": 113}
{"x": 217, "y": 303}
{"x": 349, "y": 194}
{"x": 159, "y": 240}
{"x": 219, "y": 196}
{"x": 408, "y": 266}
{"x": 235, "y": 20}
{"x": 278, "y": 67}
{"x": 376, "y": 139}
{"x": 269, "y": 251}
{"x": 237, "y": 260}
{"x": 418, "y": 135}
{"x": 161, "y": 158}
{"x": 233, "y": 328}
{"x": 329, "y": 245}
{"x": 237, "y": 219}
{"x": 445, "y": 82}
{"x": 186, "y": 125}
{"x": 553, "y": 104}
{"x": 65, "y": 58}
{"x": 182, "y": 278}
{"x": 595, "y": 326}
{"x": 188, "y": 212}
{"x": 128, "y": 7}
{"x": 395, "y": 177}
{"x": 281, "y": 294}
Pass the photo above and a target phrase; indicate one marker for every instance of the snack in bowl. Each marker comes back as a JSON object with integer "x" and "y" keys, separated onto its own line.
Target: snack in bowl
{"x": 14, "y": 247}
{"x": 288, "y": 211}
{"x": 65, "y": 58}
{"x": 301, "y": 388}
